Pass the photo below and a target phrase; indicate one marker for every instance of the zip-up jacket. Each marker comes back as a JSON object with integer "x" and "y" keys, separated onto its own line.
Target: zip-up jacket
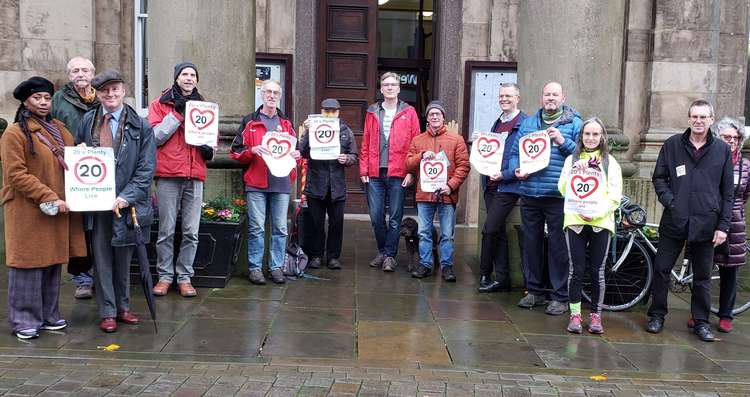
{"x": 453, "y": 145}
{"x": 405, "y": 126}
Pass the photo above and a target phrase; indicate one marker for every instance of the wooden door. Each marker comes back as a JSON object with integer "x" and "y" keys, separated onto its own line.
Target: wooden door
{"x": 347, "y": 71}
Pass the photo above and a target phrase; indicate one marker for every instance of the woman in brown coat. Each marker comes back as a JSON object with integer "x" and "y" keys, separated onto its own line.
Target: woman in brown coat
{"x": 40, "y": 234}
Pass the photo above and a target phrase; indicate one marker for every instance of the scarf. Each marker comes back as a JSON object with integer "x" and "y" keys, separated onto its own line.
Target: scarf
{"x": 175, "y": 94}
{"x": 551, "y": 118}
{"x": 50, "y": 127}
{"x": 736, "y": 155}
{"x": 89, "y": 97}
{"x": 436, "y": 132}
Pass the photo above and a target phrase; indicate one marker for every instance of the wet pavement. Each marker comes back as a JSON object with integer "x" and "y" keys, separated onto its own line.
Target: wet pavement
{"x": 360, "y": 330}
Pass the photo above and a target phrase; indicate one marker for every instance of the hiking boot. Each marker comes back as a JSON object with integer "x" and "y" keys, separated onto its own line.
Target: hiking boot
{"x": 334, "y": 264}
{"x": 56, "y": 326}
{"x": 574, "y": 325}
{"x": 30, "y": 333}
{"x": 556, "y": 308}
{"x": 448, "y": 274}
{"x": 256, "y": 277}
{"x": 83, "y": 292}
{"x": 595, "y": 324}
{"x": 421, "y": 272}
{"x": 314, "y": 263}
{"x": 389, "y": 264}
{"x": 377, "y": 261}
{"x": 725, "y": 325}
{"x": 531, "y": 300}
{"x": 277, "y": 276}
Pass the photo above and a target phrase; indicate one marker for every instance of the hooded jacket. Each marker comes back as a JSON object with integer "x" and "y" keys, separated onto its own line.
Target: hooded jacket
{"x": 405, "y": 126}
{"x": 68, "y": 107}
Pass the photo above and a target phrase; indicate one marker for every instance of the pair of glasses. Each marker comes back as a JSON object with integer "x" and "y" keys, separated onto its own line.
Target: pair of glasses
{"x": 272, "y": 93}
{"x": 390, "y": 84}
{"x": 730, "y": 138}
{"x": 701, "y": 118}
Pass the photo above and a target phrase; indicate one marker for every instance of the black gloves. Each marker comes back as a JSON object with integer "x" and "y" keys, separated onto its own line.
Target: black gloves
{"x": 179, "y": 105}
{"x": 207, "y": 152}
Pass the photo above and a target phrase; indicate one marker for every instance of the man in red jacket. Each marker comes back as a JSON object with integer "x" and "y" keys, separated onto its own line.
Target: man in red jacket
{"x": 389, "y": 127}
{"x": 180, "y": 172}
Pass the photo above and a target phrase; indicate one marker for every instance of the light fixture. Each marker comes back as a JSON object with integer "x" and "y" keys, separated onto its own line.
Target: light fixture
{"x": 382, "y": 2}
{"x": 427, "y": 13}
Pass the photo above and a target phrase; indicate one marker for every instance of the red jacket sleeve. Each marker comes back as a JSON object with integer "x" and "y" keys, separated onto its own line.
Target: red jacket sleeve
{"x": 364, "y": 150}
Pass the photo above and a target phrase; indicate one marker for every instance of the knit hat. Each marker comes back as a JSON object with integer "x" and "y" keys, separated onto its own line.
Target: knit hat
{"x": 436, "y": 104}
{"x": 31, "y": 86}
{"x": 182, "y": 65}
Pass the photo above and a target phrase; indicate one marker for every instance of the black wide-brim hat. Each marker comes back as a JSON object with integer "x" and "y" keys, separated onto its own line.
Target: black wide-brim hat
{"x": 31, "y": 86}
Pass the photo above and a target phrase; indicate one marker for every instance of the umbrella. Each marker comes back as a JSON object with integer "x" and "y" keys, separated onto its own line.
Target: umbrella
{"x": 147, "y": 283}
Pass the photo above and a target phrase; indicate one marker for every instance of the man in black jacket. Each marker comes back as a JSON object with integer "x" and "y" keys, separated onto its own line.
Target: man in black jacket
{"x": 693, "y": 181}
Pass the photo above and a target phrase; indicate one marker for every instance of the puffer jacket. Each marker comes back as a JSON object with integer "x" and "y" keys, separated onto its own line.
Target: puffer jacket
{"x": 736, "y": 239}
{"x": 458, "y": 156}
{"x": 544, "y": 183}
{"x": 405, "y": 126}
{"x": 68, "y": 107}
{"x": 325, "y": 175}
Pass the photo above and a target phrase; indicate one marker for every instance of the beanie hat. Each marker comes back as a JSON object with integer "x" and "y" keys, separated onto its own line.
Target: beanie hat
{"x": 436, "y": 104}
{"x": 182, "y": 65}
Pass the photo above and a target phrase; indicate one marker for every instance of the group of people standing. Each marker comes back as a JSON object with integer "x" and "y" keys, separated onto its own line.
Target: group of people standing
{"x": 701, "y": 181}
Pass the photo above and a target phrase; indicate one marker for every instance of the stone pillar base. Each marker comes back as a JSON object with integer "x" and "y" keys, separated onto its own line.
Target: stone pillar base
{"x": 651, "y": 143}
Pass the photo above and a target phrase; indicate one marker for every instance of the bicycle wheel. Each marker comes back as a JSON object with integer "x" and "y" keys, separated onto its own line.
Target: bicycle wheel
{"x": 742, "y": 301}
{"x": 630, "y": 283}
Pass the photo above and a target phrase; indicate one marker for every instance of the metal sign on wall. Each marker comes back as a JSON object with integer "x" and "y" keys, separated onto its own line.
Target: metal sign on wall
{"x": 484, "y": 108}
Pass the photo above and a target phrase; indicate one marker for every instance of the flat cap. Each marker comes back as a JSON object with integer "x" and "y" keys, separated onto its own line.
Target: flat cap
{"x": 330, "y": 103}
{"x": 106, "y": 77}
{"x": 31, "y": 86}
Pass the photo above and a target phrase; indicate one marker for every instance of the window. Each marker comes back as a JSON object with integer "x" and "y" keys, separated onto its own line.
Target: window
{"x": 140, "y": 87}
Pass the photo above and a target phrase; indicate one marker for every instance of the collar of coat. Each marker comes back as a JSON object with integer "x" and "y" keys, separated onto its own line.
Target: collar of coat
{"x": 256, "y": 115}
{"x": 437, "y": 132}
{"x": 709, "y": 137}
{"x": 378, "y": 106}
{"x": 71, "y": 95}
{"x": 568, "y": 115}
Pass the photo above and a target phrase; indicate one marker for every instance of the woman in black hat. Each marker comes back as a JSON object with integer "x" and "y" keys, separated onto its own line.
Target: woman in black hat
{"x": 33, "y": 198}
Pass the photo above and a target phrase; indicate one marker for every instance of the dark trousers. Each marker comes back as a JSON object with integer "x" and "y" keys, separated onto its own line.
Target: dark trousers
{"x": 701, "y": 256}
{"x": 112, "y": 268}
{"x": 727, "y": 290}
{"x": 315, "y": 232}
{"x": 494, "y": 237}
{"x": 596, "y": 244}
{"x": 535, "y": 212}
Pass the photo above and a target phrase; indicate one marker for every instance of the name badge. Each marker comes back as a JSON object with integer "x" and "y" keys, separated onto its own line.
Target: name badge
{"x": 680, "y": 169}
{"x": 736, "y": 179}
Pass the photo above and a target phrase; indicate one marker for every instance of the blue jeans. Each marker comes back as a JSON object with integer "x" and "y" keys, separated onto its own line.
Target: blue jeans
{"x": 84, "y": 278}
{"x": 256, "y": 223}
{"x": 379, "y": 191}
{"x": 447, "y": 217}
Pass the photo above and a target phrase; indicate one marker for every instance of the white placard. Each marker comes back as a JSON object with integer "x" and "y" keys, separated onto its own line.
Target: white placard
{"x": 534, "y": 151}
{"x": 281, "y": 145}
{"x": 433, "y": 174}
{"x": 584, "y": 194}
{"x": 324, "y": 137}
{"x": 202, "y": 123}
{"x": 487, "y": 152}
{"x": 90, "y": 178}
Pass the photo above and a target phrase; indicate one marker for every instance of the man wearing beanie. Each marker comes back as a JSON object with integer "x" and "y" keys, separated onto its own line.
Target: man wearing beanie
{"x": 427, "y": 146}
{"x": 180, "y": 173}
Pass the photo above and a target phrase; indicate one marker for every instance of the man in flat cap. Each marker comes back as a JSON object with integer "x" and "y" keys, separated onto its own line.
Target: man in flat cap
{"x": 117, "y": 125}
{"x": 325, "y": 192}
{"x": 180, "y": 173}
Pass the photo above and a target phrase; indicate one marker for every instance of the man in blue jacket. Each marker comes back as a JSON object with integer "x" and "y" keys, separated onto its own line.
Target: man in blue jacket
{"x": 541, "y": 202}
{"x": 500, "y": 196}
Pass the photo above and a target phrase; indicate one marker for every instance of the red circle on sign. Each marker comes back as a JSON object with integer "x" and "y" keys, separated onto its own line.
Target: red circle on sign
{"x": 323, "y": 127}
{"x": 86, "y": 171}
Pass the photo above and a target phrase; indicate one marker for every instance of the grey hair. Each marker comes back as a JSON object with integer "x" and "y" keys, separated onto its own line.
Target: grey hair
{"x": 513, "y": 86}
{"x": 265, "y": 83}
{"x": 729, "y": 122}
{"x": 69, "y": 66}
{"x": 390, "y": 74}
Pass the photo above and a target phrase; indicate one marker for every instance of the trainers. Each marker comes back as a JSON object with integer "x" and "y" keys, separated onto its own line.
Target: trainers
{"x": 83, "y": 292}
{"x": 389, "y": 264}
{"x": 256, "y": 277}
{"x": 57, "y": 325}
{"x": 448, "y": 274}
{"x": 30, "y": 333}
{"x": 556, "y": 308}
{"x": 377, "y": 261}
{"x": 314, "y": 263}
{"x": 277, "y": 276}
{"x": 725, "y": 325}
{"x": 595, "y": 324}
{"x": 531, "y": 300}
{"x": 574, "y": 325}
{"x": 421, "y": 272}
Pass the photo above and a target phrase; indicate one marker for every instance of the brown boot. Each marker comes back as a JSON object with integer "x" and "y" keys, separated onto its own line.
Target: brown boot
{"x": 187, "y": 290}
{"x": 161, "y": 288}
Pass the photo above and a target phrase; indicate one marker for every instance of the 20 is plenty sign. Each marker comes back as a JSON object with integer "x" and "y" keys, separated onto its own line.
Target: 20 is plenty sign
{"x": 90, "y": 181}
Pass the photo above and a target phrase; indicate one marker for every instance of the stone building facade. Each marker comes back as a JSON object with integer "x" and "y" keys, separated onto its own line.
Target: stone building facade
{"x": 636, "y": 64}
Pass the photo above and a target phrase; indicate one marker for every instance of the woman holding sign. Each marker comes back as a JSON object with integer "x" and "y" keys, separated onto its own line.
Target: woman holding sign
{"x": 35, "y": 210}
{"x": 591, "y": 182}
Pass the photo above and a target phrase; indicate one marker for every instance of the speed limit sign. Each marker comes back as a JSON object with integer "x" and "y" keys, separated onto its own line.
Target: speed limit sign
{"x": 90, "y": 182}
{"x": 324, "y": 137}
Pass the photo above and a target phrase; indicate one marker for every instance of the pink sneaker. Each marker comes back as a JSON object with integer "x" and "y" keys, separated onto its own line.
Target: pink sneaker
{"x": 725, "y": 325}
{"x": 574, "y": 326}
{"x": 595, "y": 324}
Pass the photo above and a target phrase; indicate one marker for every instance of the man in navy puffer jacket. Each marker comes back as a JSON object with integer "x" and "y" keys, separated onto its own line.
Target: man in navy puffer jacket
{"x": 542, "y": 203}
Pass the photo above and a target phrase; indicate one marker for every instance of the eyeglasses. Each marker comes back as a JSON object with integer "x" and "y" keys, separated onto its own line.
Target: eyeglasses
{"x": 701, "y": 118}
{"x": 730, "y": 138}
{"x": 272, "y": 93}
{"x": 389, "y": 84}
{"x": 434, "y": 115}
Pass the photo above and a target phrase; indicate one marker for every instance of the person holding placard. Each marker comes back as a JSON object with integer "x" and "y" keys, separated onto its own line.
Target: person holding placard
{"x": 180, "y": 173}
{"x": 591, "y": 182}
{"x": 262, "y": 187}
{"x": 114, "y": 124}
{"x": 40, "y": 233}
{"x": 325, "y": 190}
{"x": 390, "y": 126}
{"x": 434, "y": 154}
{"x": 500, "y": 196}
{"x": 555, "y": 129}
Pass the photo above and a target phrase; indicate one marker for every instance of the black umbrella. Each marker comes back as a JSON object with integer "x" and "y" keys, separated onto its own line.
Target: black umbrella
{"x": 147, "y": 283}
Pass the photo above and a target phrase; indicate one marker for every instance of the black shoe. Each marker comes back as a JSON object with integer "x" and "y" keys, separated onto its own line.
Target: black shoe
{"x": 334, "y": 264}
{"x": 256, "y": 277}
{"x": 488, "y": 285}
{"x": 654, "y": 325}
{"x": 704, "y": 332}
{"x": 448, "y": 274}
{"x": 421, "y": 272}
{"x": 314, "y": 263}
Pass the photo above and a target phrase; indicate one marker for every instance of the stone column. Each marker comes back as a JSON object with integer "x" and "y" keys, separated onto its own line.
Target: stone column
{"x": 733, "y": 48}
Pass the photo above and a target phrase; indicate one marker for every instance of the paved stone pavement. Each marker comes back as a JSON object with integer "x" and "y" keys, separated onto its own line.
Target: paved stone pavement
{"x": 363, "y": 331}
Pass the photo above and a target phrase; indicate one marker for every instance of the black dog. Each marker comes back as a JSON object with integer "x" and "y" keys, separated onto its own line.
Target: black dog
{"x": 410, "y": 231}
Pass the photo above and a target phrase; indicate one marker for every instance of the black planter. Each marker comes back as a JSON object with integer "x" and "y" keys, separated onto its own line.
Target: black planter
{"x": 219, "y": 245}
